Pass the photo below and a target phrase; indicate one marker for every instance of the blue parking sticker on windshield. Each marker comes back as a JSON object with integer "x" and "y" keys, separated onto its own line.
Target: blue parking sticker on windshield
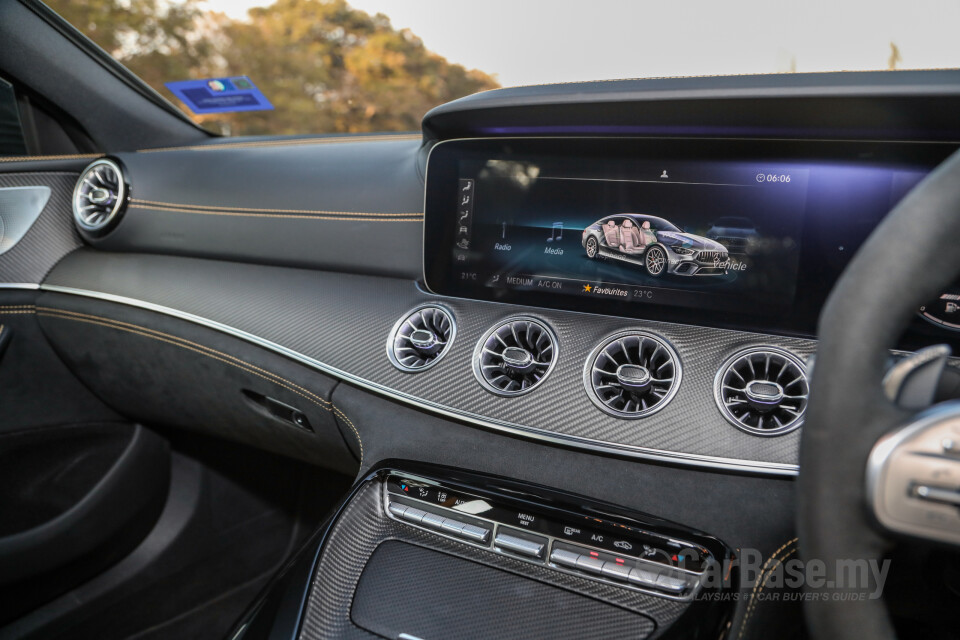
{"x": 220, "y": 95}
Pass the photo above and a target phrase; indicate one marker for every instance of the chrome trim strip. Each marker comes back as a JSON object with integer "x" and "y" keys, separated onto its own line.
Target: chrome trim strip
{"x": 29, "y": 286}
{"x": 659, "y": 455}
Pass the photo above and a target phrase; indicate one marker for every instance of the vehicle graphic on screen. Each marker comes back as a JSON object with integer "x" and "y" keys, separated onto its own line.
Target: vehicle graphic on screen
{"x": 655, "y": 244}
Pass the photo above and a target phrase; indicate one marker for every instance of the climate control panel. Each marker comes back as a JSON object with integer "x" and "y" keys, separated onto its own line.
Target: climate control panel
{"x": 590, "y": 545}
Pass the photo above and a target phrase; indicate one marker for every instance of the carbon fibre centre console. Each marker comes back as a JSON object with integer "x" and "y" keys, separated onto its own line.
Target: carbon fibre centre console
{"x": 425, "y": 552}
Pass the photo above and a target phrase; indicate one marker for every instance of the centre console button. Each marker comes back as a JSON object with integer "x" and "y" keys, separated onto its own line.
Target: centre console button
{"x": 432, "y": 520}
{"x": 414, "y": 515}
{"x": 524, "y": 546}
{"x": 616, "y": 571}
{"x": 644, "y": 577}
{"x": 564, "y": 558}
{"x": 590, "y": 565}
{"x": 671, "y": 584}
{"x": 454, "y": 527}
{"x": 475, "y": 533}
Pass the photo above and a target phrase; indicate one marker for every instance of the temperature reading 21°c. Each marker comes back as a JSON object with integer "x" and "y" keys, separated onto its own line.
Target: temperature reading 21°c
{"x": 773, "y": 177}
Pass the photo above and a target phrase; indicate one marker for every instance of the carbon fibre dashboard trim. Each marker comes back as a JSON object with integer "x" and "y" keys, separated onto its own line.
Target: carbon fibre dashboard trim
{"x": 688, "y": 433}
{"x": 638, "y": 452}
{"x": 50, "y": 237}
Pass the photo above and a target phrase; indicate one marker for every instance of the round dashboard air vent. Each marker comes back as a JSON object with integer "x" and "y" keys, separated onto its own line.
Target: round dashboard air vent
{"x": 99, "y": 197}
{"x": 421, "y": 338}
{"x": 632, "y": 374}
{"x": 763, "y": 391}
{"x": 515, "y": 356}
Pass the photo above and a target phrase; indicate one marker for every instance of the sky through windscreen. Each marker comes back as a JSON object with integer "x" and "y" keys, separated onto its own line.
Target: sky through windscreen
{"x": 539, "y": 41}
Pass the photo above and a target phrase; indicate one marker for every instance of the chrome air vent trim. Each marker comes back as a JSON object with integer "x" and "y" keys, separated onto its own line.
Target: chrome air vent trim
{"x": 99, "y": 197}
{"x": 632, "y": 374}
{"x": 421, "y": 337}
{"x": 763, "y": 391}
{"x": 515, "y": 356}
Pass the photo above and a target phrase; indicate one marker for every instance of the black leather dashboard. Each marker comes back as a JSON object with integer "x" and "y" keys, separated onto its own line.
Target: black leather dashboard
{"x": 350, "y": 204}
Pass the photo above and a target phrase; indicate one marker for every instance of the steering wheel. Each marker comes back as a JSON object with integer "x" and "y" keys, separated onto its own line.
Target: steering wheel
{"x": 872, "y": 472}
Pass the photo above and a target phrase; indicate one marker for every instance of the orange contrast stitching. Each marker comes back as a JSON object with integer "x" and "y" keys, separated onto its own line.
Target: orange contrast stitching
{"x": 203, "y": 207}
{"x": 765, "y": 573}
{"x": 14, "y": 309}
{"x": 205, "y": 351}
{"x": 276, "y": 215}
{"x": 77, "y": 156}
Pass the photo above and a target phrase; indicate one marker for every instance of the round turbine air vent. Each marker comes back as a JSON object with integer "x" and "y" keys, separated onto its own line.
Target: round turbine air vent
{"x": 99, "y": 197}
{"x": 763, "y": 391}
{"x": 632, "y": 374}
{"x": 515, "y": 356}
{"x": 421, "y": 338}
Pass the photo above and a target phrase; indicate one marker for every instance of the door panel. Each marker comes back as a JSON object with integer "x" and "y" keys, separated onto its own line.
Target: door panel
{"x": 76, "y": 499}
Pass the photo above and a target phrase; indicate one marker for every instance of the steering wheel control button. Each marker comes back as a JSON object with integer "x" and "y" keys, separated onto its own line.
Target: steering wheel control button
{"x": 913, "y": 484}
{"x": 508, "y": 541}
{"x": 937, "y": 494}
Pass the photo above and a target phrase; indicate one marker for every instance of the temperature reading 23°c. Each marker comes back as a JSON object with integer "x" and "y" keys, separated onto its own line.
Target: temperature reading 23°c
{"x": 773, "y": 177}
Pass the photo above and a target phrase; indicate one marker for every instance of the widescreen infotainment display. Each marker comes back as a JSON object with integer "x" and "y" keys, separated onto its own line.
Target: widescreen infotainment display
{"x": 680, "y": 233}
{"x": 636, "y": 227}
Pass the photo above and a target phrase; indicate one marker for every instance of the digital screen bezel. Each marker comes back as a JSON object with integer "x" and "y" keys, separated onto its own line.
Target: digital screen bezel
{"x": 813, "y": 283}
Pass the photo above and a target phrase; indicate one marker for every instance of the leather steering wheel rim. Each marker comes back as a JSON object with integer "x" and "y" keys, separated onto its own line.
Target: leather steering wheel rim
{"x": 911, "y": 257}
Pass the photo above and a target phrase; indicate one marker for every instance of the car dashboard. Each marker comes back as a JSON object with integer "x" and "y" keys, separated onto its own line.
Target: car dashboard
{"x": 601, "y": 289}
